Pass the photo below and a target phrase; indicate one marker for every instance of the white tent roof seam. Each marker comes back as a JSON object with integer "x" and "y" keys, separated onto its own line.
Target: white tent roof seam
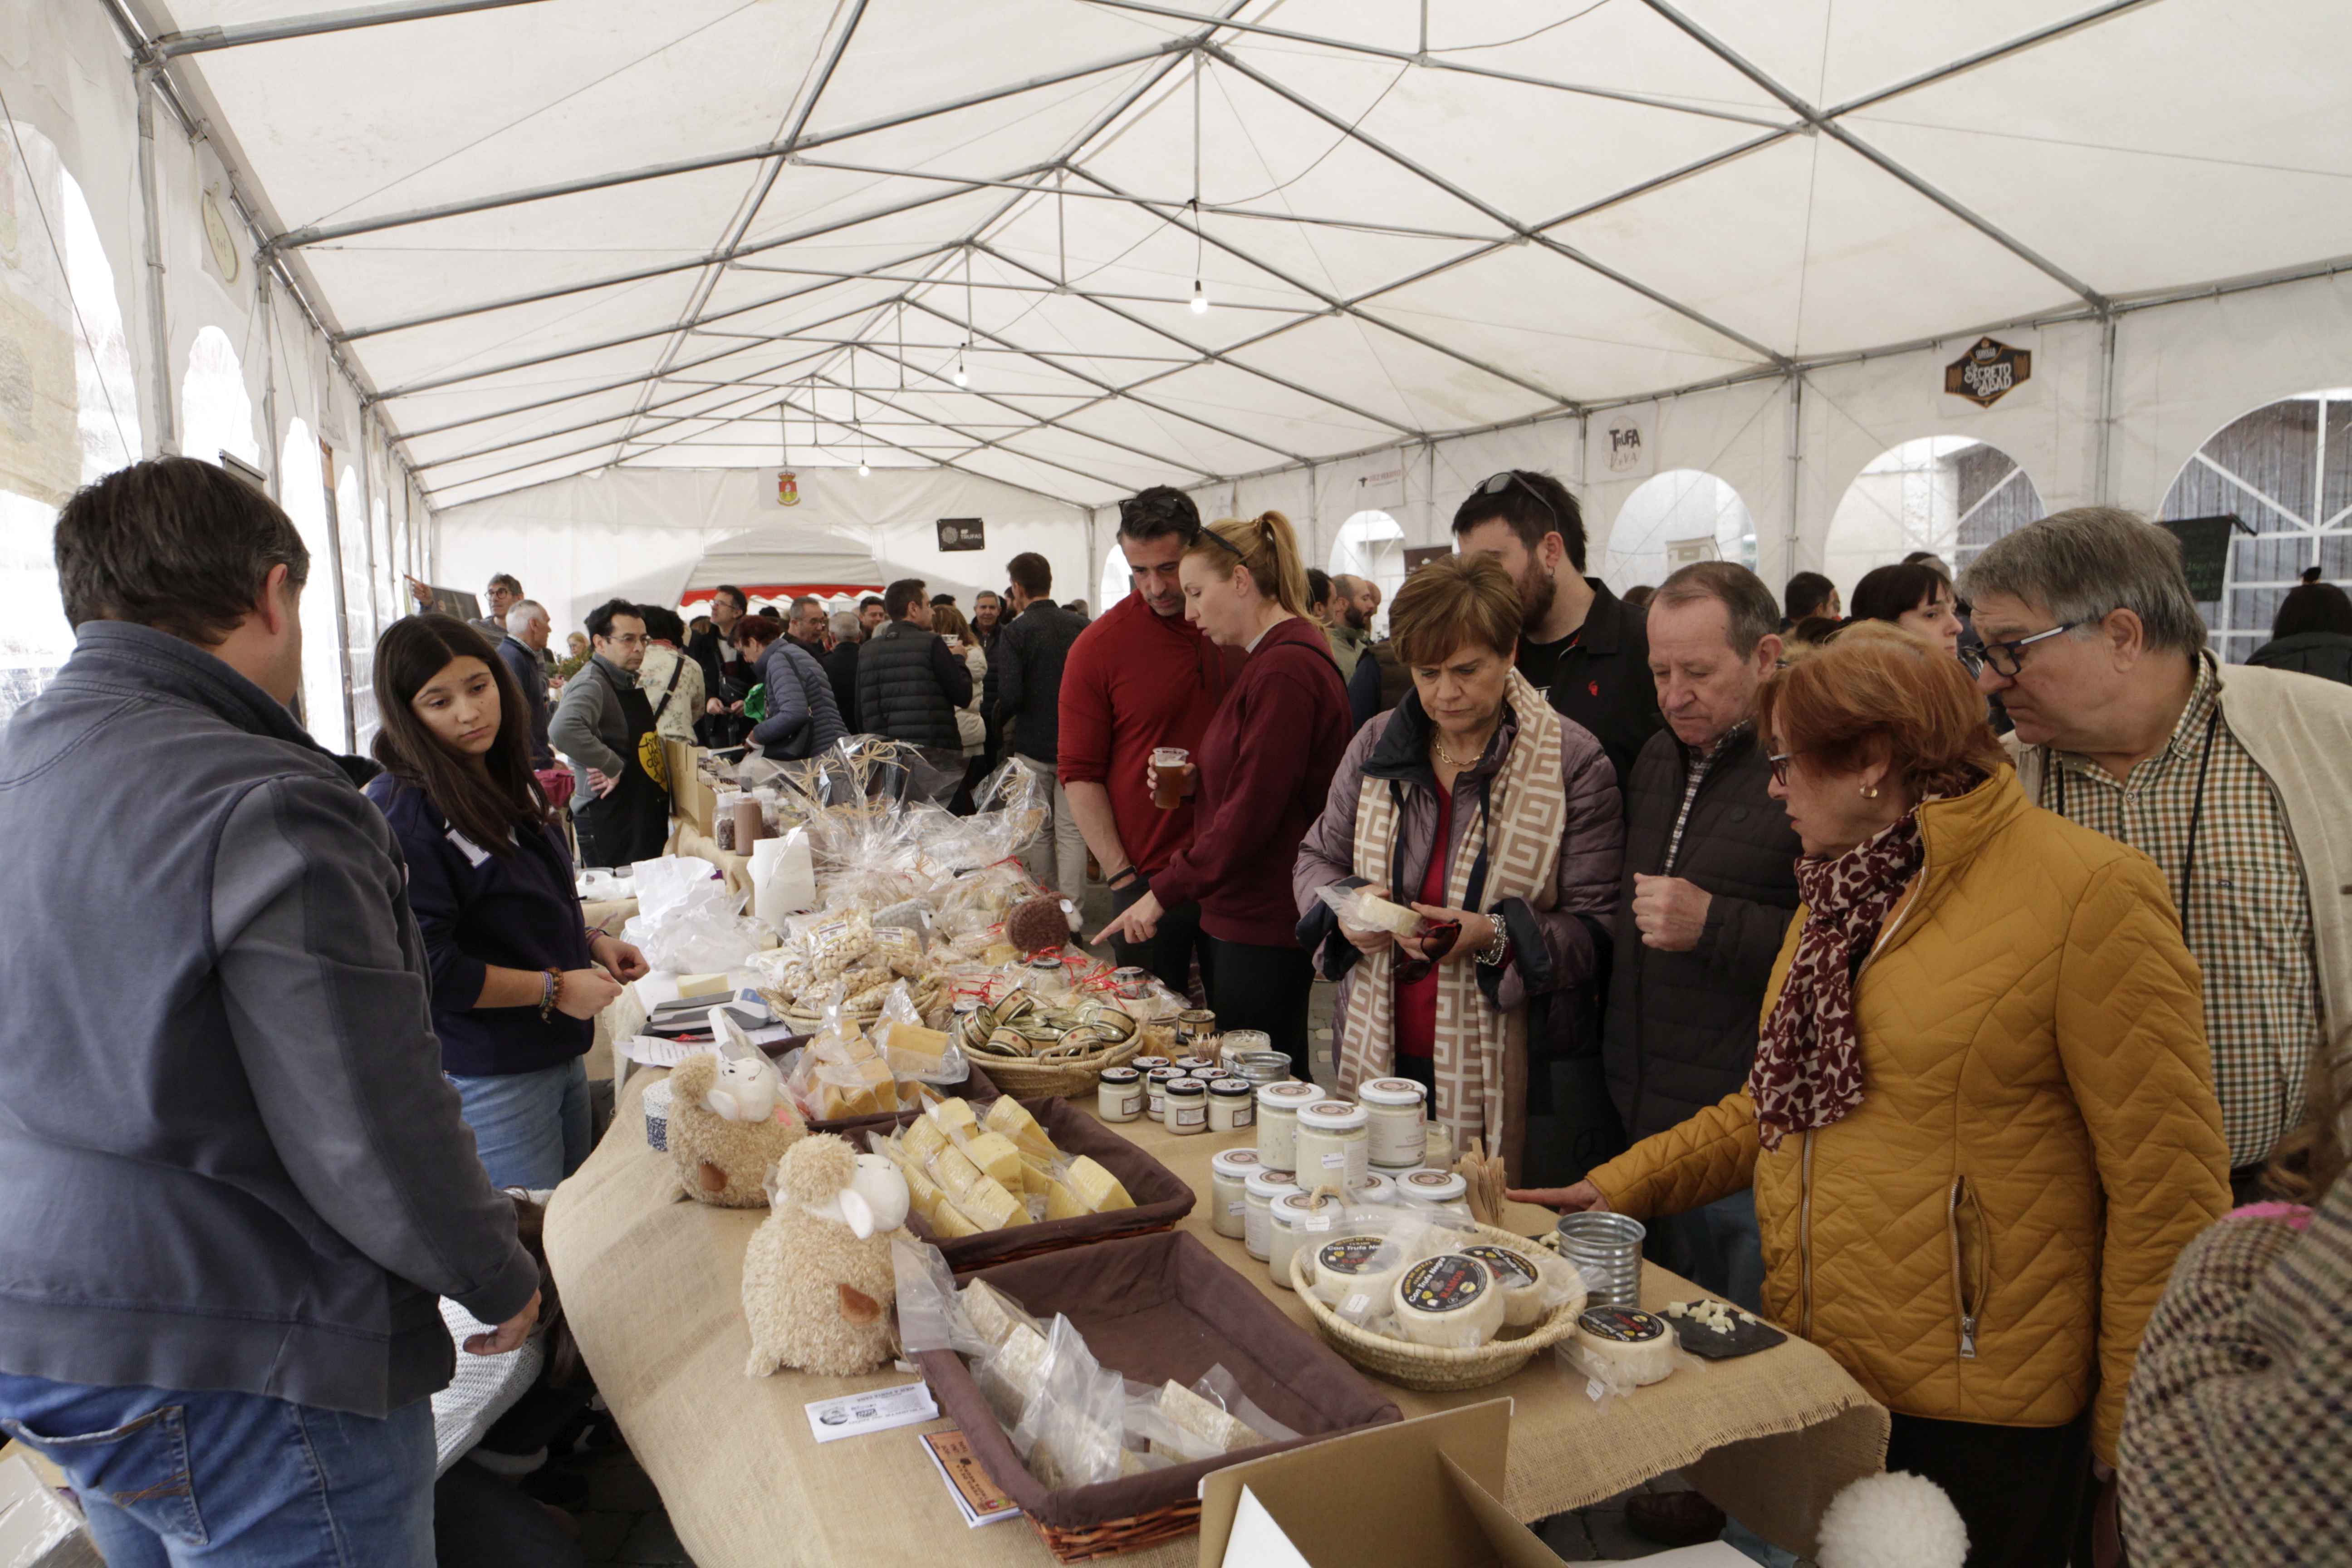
{"x": 1080, "y": 246}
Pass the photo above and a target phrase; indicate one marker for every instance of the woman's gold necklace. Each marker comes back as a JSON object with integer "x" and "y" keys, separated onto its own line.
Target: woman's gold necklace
{"x": 1438, "y": 741}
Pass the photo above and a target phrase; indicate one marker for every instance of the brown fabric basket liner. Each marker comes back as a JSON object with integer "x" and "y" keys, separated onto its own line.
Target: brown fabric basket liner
{"x": 977, "y": 1086}
{"x": 1161, "y": 1196}
{"x": 1155, "y": 1308}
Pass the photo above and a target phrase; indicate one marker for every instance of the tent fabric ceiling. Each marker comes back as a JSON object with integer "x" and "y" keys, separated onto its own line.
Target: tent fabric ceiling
{"x": 914, "y": 235}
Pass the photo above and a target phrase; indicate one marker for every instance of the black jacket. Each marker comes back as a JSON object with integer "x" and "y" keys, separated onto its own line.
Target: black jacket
{"x": 522, "y": 662}
{"x": 1682, "y": 1026}
{"x": 1027, "y": 669}
{"x": 2327, "y": 654}
{"x": 909, "y": 686}
{"x": 841, "y": 669}
{"x": 1604, "y": 680}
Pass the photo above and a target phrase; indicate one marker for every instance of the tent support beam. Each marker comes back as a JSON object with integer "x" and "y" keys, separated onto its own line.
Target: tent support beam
{"x": 614, "y": 280}
{"x": 1360, "y": 226}
{"x": 319, "y": 233}
{"x": 1030, "y": 288}
{"x": 1496, "y": 214}
{"x": 1332, "y": 303}
{"x": 201, "y": 40}
{"x": 159, "y": 329}
{"x": 2102, "y": 482}
{"x": 1828, "y": 126}
{"x": 1429, "y": 61}
{"x": 996, "y": 443}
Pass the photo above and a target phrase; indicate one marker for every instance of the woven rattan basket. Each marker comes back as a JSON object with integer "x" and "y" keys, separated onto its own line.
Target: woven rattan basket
{"x": 1410, "y": 1365}
{"x": 1071, "y": 1077}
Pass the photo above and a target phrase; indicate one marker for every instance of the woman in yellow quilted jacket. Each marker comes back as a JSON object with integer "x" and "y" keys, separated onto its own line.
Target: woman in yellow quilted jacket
{"x": 1980, "y": 1123}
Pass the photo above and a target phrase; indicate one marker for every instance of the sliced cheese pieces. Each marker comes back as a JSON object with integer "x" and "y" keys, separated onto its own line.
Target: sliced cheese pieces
{"x": 992, "y": 1312}
{"x": 923, "y": 1138}
{"x": 956, "y": 1173}
{"x": 1522, "y": 1283}
{"x": 1448, "y": 1302}
{"x": 1010, "y": 1118}
{"x": 991, "y": 1208}
{"x": 1634, "y": 1345}
{"x": 1097, "y": 1188}
{"x": 996, "y": 1156}
{"x": 1218, "y": 1430}
{"x": 955, "y": 1118}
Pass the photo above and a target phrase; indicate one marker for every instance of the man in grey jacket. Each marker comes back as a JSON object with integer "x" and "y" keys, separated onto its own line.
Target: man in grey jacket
{"x": 604, "y": 725}
{"x": 237, "y": 1180}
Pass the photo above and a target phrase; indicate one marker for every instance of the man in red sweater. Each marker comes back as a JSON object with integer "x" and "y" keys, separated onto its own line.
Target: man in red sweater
{"x": 1139, "y": 678}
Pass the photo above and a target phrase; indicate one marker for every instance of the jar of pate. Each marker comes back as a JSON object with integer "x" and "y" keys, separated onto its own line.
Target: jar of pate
{"x": 1155, "y": 1092}
{"x": 1332, "y": 1140}
{"x": 1229, "y": 1174}
{"x": 1233, "y": 1107}
{"x": 1297, "y": 1220}
{"x": 1186, "y": 1102}
{"x": 1192, "y": 1064}
{"x": 1118, "y": 1094}
{"x": 1395, "y": 1135}
{"x": 1145, "y": 1064}
{"x": 1277, "y": 1122}
{"x": 1258, "y": 1194}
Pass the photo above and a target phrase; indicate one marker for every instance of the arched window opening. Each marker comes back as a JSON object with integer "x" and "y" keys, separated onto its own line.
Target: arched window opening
{"x": 216, "y": 409}
{"x": 1371, "y": 544}
{"x": 1952, "y": 495}
{"x": 1672, "y": 520}
{"x": 302, "y": 491}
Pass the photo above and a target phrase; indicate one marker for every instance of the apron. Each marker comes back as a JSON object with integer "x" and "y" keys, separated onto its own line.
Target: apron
{"x": 630, "y": 823}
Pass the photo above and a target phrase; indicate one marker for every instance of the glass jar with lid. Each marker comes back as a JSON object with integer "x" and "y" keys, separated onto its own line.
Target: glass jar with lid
{"x": 1187, "y": 1105}
{"x": 1233, "y": 1107}
{"x": 1234, "y": 1042}
{"x": 1377, "y": 1189}
{"x": 1277, "y": 1122}
{"x": 1296, "y": 1218}
{"x": 1395, "y": 1133}
{"x": 1155, "y": 1092}
{"x": 1258, "y": 1194}
{"x": 1331, "y": 1142}
{"x": 1118, "y": 1094}
{"x": 1229, "y": 1176}
{"x": 1435, "y": 1189}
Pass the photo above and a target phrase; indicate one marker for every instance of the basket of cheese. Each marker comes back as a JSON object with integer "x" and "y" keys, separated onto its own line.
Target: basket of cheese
{"x": 1018, "y": 1178}
{"x": 846, "y": 1079}
{"x": 1433, "y": 1304}
{"x": 1097, "y": 1387}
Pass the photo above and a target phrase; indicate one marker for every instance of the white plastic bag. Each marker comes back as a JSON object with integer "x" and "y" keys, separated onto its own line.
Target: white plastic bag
{"x": 697, "y": 931}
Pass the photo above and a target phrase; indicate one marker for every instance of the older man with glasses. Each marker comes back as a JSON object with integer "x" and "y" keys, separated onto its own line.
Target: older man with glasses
{"x": 2237, "y": 784}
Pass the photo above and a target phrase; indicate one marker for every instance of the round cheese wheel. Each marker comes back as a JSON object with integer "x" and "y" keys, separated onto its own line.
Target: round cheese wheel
{"x": 1361, "y": 1268}
{"x": 1635, "y": 1343}
{"x": 1522, "y": 1283}
{"x": 1449, "y": 1302}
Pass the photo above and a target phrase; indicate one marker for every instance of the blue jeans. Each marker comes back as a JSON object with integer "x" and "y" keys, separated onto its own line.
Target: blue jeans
{"x": 227, "y": 1480}
{"x": 1717, "y": 1248}
{"x": 531, "y": 1128}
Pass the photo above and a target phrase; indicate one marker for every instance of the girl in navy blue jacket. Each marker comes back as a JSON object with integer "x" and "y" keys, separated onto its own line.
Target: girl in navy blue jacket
{"x": 518, "y": 979}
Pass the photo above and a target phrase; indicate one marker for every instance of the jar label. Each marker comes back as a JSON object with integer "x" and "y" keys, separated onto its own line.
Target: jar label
{"x": 1445, "y": 1284}
{"x": 1244, "y": 1115}
{"x": 1317, "y": 1219}
{"x": 1190, "y": 1116}
{"x": 1237, "y": 1207}
{"x": 1335, "y": 1162}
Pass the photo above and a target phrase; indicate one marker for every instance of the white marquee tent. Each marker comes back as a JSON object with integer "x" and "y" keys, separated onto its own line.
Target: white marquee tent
{"x": 565, "y": 283}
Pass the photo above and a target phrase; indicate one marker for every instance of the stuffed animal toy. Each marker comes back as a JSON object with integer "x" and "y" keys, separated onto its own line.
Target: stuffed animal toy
{"x": 817, "y": 1279}
{"x": 728, "y": 1121}
{"x": 1896, "y": 1519}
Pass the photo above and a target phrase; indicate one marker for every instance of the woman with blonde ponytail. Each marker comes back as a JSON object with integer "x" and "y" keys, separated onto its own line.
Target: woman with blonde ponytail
{"x": 1258, "y": 781}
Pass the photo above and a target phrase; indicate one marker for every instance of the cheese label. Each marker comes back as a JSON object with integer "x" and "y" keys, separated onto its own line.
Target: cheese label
{"x": 1509, "y": 1266}
{"x": 1446, "y": 1283}
{"x": 1348, "y": 1255}
{"x": 1624, "y": 1325}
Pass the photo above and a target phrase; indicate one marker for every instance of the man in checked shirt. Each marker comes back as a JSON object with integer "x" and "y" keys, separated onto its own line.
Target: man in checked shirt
{"x": 2236, "y": 781}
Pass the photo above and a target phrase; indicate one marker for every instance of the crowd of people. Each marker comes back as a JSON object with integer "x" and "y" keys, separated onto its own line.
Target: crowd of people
{"x": 1963, "y": 983}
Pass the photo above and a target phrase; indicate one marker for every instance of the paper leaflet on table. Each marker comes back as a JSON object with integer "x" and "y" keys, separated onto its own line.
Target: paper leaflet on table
{"x": 979, "y": 1498}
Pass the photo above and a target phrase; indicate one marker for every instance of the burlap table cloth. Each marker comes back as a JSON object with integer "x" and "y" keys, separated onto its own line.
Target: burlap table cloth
{"x": 653, "y": 1288}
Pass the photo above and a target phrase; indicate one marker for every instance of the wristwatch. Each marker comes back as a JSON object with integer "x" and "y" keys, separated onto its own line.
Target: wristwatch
{"x": 1498, "y": 950}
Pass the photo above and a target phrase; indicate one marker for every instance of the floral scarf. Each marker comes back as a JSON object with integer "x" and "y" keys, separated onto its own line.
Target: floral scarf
{"x": 1807, "y": 1071}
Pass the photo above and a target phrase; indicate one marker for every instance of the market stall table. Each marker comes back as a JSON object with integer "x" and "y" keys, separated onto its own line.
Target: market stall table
{"x": 652, "y": 1286}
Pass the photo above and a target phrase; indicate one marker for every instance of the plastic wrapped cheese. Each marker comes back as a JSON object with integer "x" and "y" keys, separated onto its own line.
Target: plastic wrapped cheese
{"x": 996, "y": 1157}
{"x": 955, "y": 1173}
{"x": 990, "y": 1206}
{"x": 1448, "y": 1302}
{"x": 1522, "y": 1283}
{"x": 1097, "y": 1188}
{"x": 1626, "y": 1346}
{"x": 1355, "y": 1274}
{"x": 1010, "y": 1118}
{"x": 955, "y": 1118}
{"x": 923, "y": 1138}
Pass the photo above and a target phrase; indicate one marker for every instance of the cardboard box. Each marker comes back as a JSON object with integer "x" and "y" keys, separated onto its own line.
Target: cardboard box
{"x": 691, "y": 795}
{"x": 1398, "y": 1496}
{"x": 38, "y": 1529}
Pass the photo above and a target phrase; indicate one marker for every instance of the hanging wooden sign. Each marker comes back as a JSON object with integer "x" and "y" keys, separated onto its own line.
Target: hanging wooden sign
{"x": 1989, "y": 372}
{"x": 961, "y": 533}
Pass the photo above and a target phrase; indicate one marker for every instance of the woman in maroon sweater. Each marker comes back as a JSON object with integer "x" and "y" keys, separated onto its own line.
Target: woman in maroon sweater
{"x": 1261, "y": 774}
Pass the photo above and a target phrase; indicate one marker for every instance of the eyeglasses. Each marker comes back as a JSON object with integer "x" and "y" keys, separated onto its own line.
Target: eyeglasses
{"x": 1780, "y": 764}
{"x": 1497, "y": 484}
{"x": 2007, "y": 657}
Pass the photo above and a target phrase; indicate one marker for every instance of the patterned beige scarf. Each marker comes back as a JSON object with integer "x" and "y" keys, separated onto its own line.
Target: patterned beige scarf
{"x": 1527, "y": 811}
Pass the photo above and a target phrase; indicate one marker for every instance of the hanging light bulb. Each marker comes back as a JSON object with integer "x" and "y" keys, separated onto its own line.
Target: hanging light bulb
{"x": 961, "y": 379}
{"x": 1200, "y": 298}
{"x": 862, "y": 469}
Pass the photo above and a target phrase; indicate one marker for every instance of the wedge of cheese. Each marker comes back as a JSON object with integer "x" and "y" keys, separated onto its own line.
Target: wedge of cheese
{"x": 1009, "y": 1117}
{"x": 1061, "y": 1203}
{"x": 837, "y": 1101}
{"x": 995, "y": 1154}
{"x": 955, "y": 1118}
{"x": 876, "y": 1075}
{"x": 948, "y": 1223}
{"x": 1097, "y": 1188}
{"x": 923, "y": 1195}
{"x": 992, "y": 1316}
{"x": 957, "y": 1175}
{"x": 1221, "y": 1432}
{"x": 915, "y": 1040}
{"x": 991, "y": 1208}
{"x": 702, "y": 986}
{"x": 922, "y": 1138}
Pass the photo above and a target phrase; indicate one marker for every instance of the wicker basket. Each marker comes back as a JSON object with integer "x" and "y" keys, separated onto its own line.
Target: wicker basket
{"x": 1426, "y": 1368}
{"x": 1119, "y": 1535}
{"x": 1072, "y": 1077}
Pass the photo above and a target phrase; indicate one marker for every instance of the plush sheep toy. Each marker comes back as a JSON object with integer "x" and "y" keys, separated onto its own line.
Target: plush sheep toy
{"x": 728, "y": 1121}
{"x": 1892, "y": 1521}
{"x": 817, "y": 1280}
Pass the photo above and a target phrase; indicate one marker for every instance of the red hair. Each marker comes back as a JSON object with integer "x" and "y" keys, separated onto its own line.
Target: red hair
{"x": 1876, "y": 687}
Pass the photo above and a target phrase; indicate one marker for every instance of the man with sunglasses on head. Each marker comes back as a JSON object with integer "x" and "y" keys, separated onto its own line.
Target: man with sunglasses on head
{"x": 1581, "y": 645}
{"x": 2237, "y": 783}
{"x": 1139, "y": 678}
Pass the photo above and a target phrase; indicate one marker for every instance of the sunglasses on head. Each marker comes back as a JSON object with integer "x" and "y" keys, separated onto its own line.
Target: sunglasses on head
{"x": 1499, "y": 484}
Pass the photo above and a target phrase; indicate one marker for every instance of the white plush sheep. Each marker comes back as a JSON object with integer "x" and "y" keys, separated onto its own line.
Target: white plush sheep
{"x": 817, "y": 1280}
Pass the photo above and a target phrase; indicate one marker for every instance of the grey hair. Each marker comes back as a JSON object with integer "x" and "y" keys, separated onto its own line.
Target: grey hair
{"x": 843, "y": 624}
{"x": 2082, "y": 564}
{"x": 807, "y": 601}
{"x": 1750, "y": 612}
{"x": 529, "y": 610}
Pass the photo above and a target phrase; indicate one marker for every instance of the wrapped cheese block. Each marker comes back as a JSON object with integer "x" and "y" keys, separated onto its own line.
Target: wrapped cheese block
{"x": 1222, "y": 1432}
{"x": 1097, "y": 1188}
{"x": 954, "y": 1173}
{"x": 923, "y": 1138}
{"x": 1449, "y": 1302}
{"x": 990, "y": 1206}
{"x": 996, "y": 1157}
{"x": 992, "y": 1313}
{"x": 1522, "y": 1283}
{"x": 1356, "y": 1274}
{"x": 1009, "y": 1117}
{"x": 955, "y": 1118}
{"x": 1631, "y": 1346}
